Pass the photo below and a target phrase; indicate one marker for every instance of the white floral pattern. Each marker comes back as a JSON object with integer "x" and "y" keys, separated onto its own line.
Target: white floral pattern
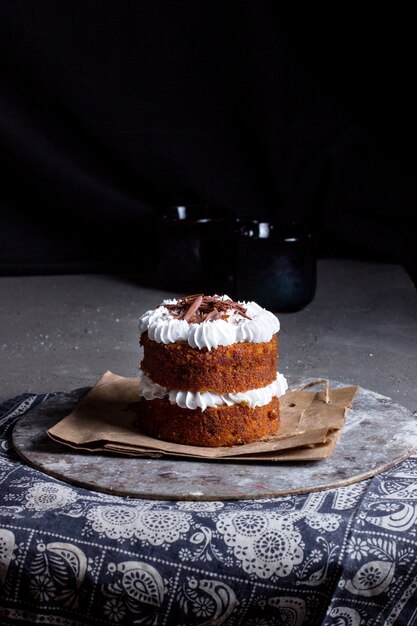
{"x": 344, "y": 556}
{"x": 266, "y": 543}
{"x": 6, "y": 552}
{"x": 158, "y": 527}
{"x": 46, "y": 496}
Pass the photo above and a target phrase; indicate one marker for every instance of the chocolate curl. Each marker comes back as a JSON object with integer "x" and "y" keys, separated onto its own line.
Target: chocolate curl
{"x": 199, "y": 308}
{"x": 193, "y": 308}
{"x": 213, "y": 315}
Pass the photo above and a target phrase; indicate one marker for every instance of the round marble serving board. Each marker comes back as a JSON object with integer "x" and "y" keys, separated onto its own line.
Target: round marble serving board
{"x": 378, "y": 433}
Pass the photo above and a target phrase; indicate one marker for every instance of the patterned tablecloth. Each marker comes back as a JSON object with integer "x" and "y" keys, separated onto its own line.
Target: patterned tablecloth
{"x": 69, "y": 556}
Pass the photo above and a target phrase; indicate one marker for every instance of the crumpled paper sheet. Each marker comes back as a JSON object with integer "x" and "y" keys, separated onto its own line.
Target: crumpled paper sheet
{"x": 105, "y": 421}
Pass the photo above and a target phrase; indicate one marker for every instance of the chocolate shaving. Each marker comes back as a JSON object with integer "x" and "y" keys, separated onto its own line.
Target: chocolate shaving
{"x": 199, "y": 308}
{"x": 213, "y": 315}
{"x": 193, "y": 308}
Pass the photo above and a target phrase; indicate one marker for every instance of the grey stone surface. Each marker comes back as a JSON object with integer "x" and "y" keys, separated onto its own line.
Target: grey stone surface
{"x": 59, "y": 333}
{"x": 388, "y": 434}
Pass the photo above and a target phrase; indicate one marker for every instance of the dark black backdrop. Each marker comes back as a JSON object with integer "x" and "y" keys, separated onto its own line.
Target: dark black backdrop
{"x": 111, "y": 110}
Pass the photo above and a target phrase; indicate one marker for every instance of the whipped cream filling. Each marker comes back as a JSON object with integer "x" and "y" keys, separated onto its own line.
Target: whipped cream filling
{"x": 193, "y": 400}
{"x": 164, "y": 328}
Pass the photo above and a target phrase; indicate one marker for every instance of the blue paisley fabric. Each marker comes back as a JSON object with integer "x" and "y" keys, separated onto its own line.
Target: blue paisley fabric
{"x": 70, "y": 556}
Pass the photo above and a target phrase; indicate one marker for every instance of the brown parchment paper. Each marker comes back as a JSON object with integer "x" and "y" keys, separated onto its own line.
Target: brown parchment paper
{"x": 105, "y": 420}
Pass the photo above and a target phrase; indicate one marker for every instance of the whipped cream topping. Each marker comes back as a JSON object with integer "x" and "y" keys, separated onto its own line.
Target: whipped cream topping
{"x": 163, "y": 327}
{"x": 193, "y": 400}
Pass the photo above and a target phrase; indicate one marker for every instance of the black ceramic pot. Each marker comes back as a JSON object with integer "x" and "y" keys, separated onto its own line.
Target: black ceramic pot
{"x": 274, "y": 265}
{"x": 194, "y": 250}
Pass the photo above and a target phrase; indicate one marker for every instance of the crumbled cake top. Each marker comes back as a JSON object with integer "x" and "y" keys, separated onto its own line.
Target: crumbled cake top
{"x": 199, "y": 308}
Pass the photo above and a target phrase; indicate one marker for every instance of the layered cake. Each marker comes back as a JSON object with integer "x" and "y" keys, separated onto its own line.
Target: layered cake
{"x": 209, "y": 373}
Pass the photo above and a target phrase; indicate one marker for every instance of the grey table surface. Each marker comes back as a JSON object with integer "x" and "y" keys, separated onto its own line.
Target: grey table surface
{"x": 59, "y": 333}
